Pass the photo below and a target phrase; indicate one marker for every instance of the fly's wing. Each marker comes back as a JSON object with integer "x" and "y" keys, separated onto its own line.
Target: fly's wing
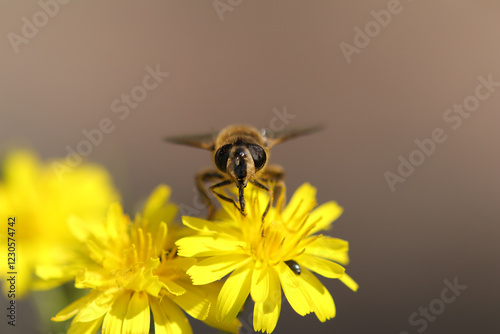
{"x": 276, "y": 138}
{"x": 205, "y": 141}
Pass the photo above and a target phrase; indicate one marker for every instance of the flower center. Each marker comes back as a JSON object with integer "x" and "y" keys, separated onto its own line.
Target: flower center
{"x": 274, "y": 243}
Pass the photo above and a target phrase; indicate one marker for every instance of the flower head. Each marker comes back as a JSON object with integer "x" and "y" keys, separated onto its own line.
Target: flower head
{"x": 263, "y": 257}
{"x": 41, "y": 203}
{"x": 132, "y": 271}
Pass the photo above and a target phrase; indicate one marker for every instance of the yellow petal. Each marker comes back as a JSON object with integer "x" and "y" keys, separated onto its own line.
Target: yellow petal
{"x": 234, "y": 293}
{"x": 267, "y": 312}
{"x": 203, "y": 245}
{"x": 321, "y": 266}
{"x": 301, "y": 203}
{"x": 257, "y": 200}
{"x": 116, "y": 223}
{"x": 157, "y": 207}
{"x": 323, "y": 301}
{"x": 89, "y": 327}
{"x": 179, "y": 263}
{"x": 159, "y": 316}
{"x": 96, "y": 308}
{"x": 329, "y": 248}
{"x": 94, "y": 277}
{"x": 150, "y": 281}
{"x": 292, "y": 287}
{"x": 230, "y": 210}
{"x": 49, "y": 272}
{"x": 193, "y": 301}
{"x": 72, "y": 309}
{"x": 351, "y": 284}
{"x": 214, "y": 268}
{"x": 137, "y": 317}
{"x": 168, "y": 317}
{"x": 202, "y": 225}
{"x": 160, "y": 238}
{"x": 324, "y": 215}
{"x": 79, "y": 227}
{"x": 21, "y": 167}
{"x": 260, "y": 282}
{"x": 113, "y": 320}
{"x": 39, "y": 284}
{"x": 173, "y": 287}
{"x": 211, "y": 291}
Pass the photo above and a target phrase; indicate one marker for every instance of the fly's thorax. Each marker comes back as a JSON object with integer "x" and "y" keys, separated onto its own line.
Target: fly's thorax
{"x": 234, "y": 133}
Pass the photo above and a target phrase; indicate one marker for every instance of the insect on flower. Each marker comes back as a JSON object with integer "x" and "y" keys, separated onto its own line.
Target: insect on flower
{"x": 240, "y": 154}
{"x": 294, "y": 266}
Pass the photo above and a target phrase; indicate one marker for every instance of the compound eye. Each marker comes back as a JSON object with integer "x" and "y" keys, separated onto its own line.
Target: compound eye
{"x": 221, "y": 157}
{"x": 258, "y": 155}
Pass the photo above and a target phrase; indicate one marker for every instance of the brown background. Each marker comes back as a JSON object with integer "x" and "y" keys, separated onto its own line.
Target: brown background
{"x": 442, "y": 223}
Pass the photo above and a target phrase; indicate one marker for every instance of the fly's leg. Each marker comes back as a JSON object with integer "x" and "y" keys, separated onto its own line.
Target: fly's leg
{"x": 269, "y": 191}
{"x": 226, "y": 198}
{"x": 201, "y": 179}
{"x": 272, "y": 174}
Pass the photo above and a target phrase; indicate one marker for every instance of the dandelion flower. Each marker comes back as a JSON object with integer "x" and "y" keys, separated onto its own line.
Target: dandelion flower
{"x": 41, "y": 202}
{"x": 261, "y": 258}
{"x": 133, "y": 271}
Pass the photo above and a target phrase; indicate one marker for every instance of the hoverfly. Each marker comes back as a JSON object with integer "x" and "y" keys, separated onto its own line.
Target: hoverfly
{"x": 240, "y": 154}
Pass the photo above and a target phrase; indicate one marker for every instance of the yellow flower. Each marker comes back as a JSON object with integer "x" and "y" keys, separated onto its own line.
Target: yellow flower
{"x": 133, "y": 270}
{"x": 41, "y": 202}
{"x": 264, "y": 257}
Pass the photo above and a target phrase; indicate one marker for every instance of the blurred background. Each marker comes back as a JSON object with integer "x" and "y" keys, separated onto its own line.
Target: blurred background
{"x": 380, "y": 75}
